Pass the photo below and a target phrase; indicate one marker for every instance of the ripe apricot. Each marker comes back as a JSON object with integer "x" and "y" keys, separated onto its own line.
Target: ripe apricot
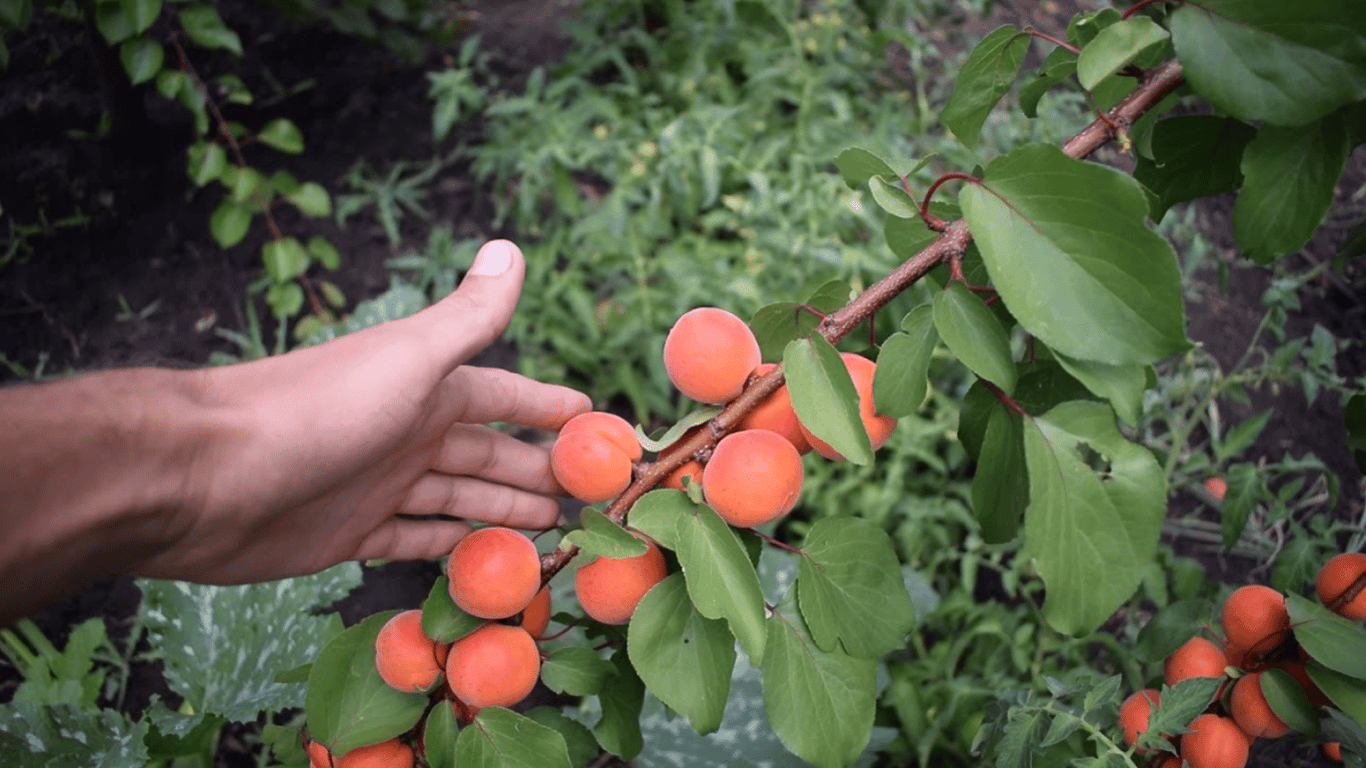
{"x": 1167, "y": 761}
{"x": 1214, "y": 742}
{"x": 709, "y": 353}
{"x": 1255, "y": 618}
{"x": 1238, "y": 656}
{"x": 1197, "y": 657}
{"x": 386, "y": 754}
{"x": 1217, "y": 487}
{"x": 610, "y": 589}
{"x": 494, "y": 572}
{"x": 406, "y": 658}
{"x": 493, "y": 666}
{"x": 1333, "y": 751}
{"x": 692, "y": 468}
{"x": 776, "y": 415}
{"x": 753, "y": 476}
{"x": 592, "y": 457}
{"x": 879, "y": 428}
{"x": 536, "y": 616}
{"x": 1250, "y": 710}
{"x": 1336, "y": 579}
{"x": 1134, "y": 713}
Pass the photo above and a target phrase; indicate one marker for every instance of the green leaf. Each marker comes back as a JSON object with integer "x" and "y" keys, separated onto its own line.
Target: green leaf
{"x": 986, "y": 76}
{"x": 1084, "y": 521}
{"x": 576, "y": 670}
{"x": 1241, "y": 437}
{"x": 666, "y": 635}
{"x": 1285, "y": 63}
{"x": 233, "y": 89}
{"x": 1067, "y": 249}
{"x": 583, "y": 748}
{"x": 1115, "y": 48}
{"x": 777, "y": 324}
{"x": 820, "y": 703}
{"x": 207, "y": 161}
{"x": 900, "y": 382}
{"x": 16, "y": 14}
{"x": 284, "y": 259}
{"x": 1193, "y": 156}
{"x": 1059, "y": 65}
{"x": 1345, "y": 691}
{"x": 600, "y": 537}
{"x": 348, "y": 704}
{"x": 622, "y": 696}
{"x": 658, "y": 514}
{"x": 1289, "y": 176}
{"x": 229, "y": 222}
{"x": 244, "y": 184}
{"x": 1287, "y": 699}
{"x": 283, "y": 135}
{"x": 1000, "y": 487}
{"x": 285, "y": 299}
{"x": 859, "y": 165}
{"x": 850, "y": 588}
{"x": 322, "y": 249}
{"x": 170, "y": 82}
{"x": 721, "y": 579}
{"x": 974, "y": 335}
{"x": 439, "y": 736}
{"x": 893, "y": 199}
{"x": 506, "y": 739}
{"x": 142, "y": 58}
{"x": 311, "y": 199}
{"x": 32, "y": 735}
{"x": 1170, "y": 628}
{"x": 442, "y": 619}
{"x": 113, "y": 23}
{"x": 332, "y": 294}
{"x": 1122, "y": 385}
{"x": 205, "y": 27}
{"x": 1244, "y": 490}
{"x": 1330, "y": 639}
{"x": 1178, "y": 705}
{"x": 824, "y": 398}
{"x": 141, "y": 13}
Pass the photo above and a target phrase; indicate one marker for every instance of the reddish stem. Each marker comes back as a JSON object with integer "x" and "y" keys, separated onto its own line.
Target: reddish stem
{"x": 775, "y": 542}
{"x": 1004, "y": 399}
{"x": 925, "y": 206}
{"x": 1138, "y": 7}
{"x": 1130, "y": 70}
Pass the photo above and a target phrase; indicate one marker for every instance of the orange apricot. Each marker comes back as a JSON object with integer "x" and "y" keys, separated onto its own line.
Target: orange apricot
{"x": 709, "y": 354}
{"x": 879, "y": 428}
{"x": 776, "y": 415}
{"x": 406, "y": 658}
{"x": 593, "y": 455}
{"x": 610, "y": 589}
{"x": 691, "y": 468}
{"x": 1255, "y": 618}
{"x": 494, "y": 666}
{"x": 1197, "y": 657}
{"x": 1167, "y": 760}
{"x": 1134, "y": 713}
{"x": 754, "y": 476}
{"x": 386, "y": 754}
{"x": 1217, "y": 487}
{"x": 1214, "y": 742}
{"x": 1335, "y": 582}
{"x": 1250, "y": 710}
{"x": 494, "y": 573}
{"x": 1333, "y": 751}
{"x": 536, "y": 616}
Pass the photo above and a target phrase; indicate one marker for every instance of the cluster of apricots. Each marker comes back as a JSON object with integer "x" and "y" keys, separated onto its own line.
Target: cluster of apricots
{"x": 1257, "y": 637}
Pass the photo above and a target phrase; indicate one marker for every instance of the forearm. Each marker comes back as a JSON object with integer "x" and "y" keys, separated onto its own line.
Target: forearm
{"x": 93, "y": 472}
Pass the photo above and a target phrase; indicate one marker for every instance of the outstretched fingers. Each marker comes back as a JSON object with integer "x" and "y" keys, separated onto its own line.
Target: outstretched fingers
{"x": 484, "y": 395}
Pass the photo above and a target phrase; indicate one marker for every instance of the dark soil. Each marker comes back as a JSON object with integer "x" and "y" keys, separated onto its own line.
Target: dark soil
{"x": 124, "y": 227}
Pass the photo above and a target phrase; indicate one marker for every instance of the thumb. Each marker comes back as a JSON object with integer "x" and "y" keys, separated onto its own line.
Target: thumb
{"x": 478, "y": 311}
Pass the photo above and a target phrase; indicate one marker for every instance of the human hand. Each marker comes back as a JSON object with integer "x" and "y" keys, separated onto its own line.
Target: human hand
{"x": 373, "y": 445}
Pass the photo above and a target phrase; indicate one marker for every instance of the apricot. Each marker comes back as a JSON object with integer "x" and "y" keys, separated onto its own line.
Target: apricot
{"x": 610, "y": 589}
{"x": 1197, "y": 657}
{"x": 1134, "y": 713}
{"x": 1333, "y": 751}
{"x": 1214, "y": 742}
{"x": 1336, "y": 579}
{"x": 709, "y": 354}
{"x": 386, "y": 754}
{"x": 406, "y": 658}
{"x": 494, "y": 666}
{"x": 754, "y": 476}
{"x": 1255, "y": 618}
{"x": 1250, "y": 710}
{"x": 1217, "y": 487}
{"x": 1167, "y": 761}
{"x": 494, "y": 573}
{"x": 536, "y": 616}
{"x": 692, "y": 468}
{"x": 1238, "y": 656}
{"x": 879, "y": 428}
{"x": 776, "y": 415}
{"x": 593, "y": 455}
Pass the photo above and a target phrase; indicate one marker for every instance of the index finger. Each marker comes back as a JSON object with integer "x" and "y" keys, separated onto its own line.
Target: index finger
{"x": 483, "y": 395}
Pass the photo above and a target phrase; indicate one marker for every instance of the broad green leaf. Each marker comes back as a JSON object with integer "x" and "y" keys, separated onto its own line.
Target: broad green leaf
{"x": 986, "y": 76}
{"x": 1000, "y": 487}
{"x": 576, "y": 670}
{"x": 1057, "y": 67}
{"x": 1287, "y": 699}
{"x": 311, "y": 199}
{"x": 348, "y": 704}
{"x": 974, "y": 335}
{"x": 284, "y": 259}
{"x": 442, "y": 619}
{"x": 820, "y": 703}
{"x": 601, "y": 537}
{"x": 141, "y": 13}
{"x": 1116, "y": 47}
{"x": 170, "y": 82}
{"x": 907, "y": 237}
{"x": 35, "y": 736}
{"x": 1285, "y": 63}
{"x": 1289, "y": 176}
{"x": 1122, "y": 385}
{"x": 113, "y": 23}
{"x": 1069, "y": 253}
{"x": 850, "y": 589}
{"x": 205, "y": 27}
{"x": 824, "y": 398}
{"x": 618, "y": 730}
{"x": 893, "y": 199}
{"x": 666, "y": 635}
{"x": 244, "y": 184}
{"x": 778, "y": 324}
{"x": 323, "y": 250}
{"x": 283, "y": 135}
{"x": 285, "y": 299}
{"x": 1170, "y": 628}
{"x": 658, "y": 514}
{"x": 1329, "y": 639}
{"x": 583, "y": 748}
{"x": 142, "y": 58}
{"x": 1091, "y": 530}
{"x": 1347, "y": 732}
{"x": 1346, "y": 692}
{"x": 1193, "y": 156}
{"x": 439, "y": 736}
{"x": 207, "y": 161}
{"x": 501, "y": 737}
{"x": 858, "y": 165}
{"x": 1244, "y": 489}
{"x": 900, "y": 383}
{"x": 229, "y": 222}
{"x": 721, "y": 579}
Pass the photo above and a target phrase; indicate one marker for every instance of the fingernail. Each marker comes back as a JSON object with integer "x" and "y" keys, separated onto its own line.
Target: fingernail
{"x": 493, "y": 259}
